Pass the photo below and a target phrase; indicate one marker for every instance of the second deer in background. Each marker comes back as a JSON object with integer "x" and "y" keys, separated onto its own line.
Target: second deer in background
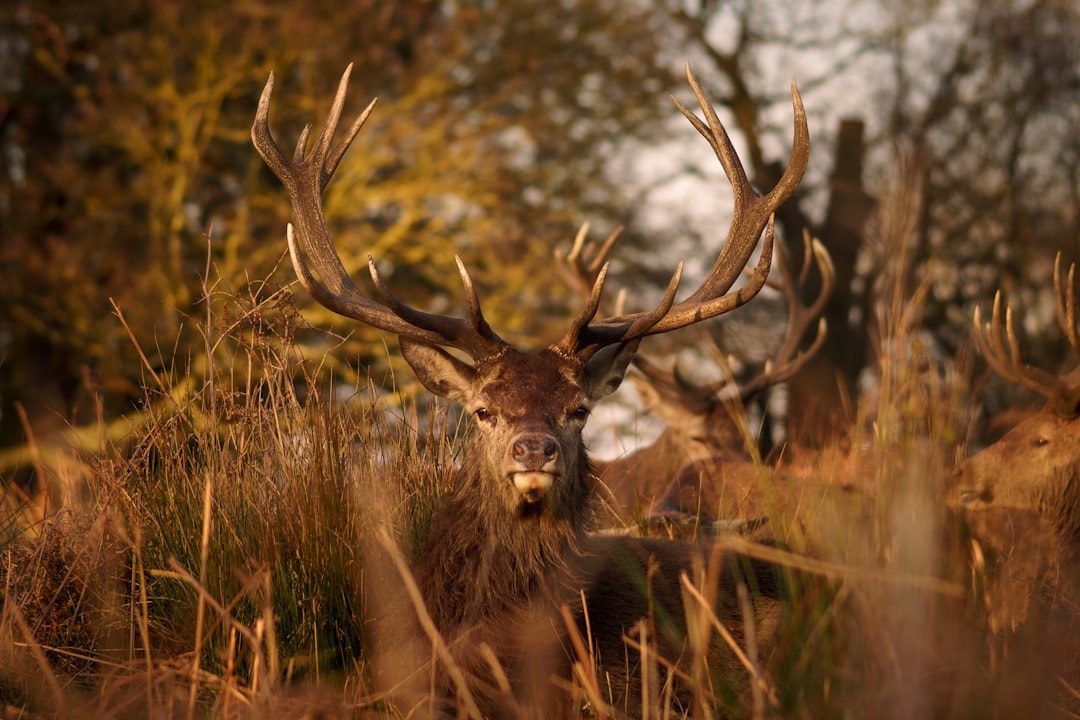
{"x": 1021, "y": 495}
{"x": 705, "y": 423}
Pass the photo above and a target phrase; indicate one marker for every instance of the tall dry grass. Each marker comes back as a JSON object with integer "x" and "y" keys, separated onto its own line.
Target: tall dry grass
{"x": 232, "y": 558}
{"x": 215, "y": 562}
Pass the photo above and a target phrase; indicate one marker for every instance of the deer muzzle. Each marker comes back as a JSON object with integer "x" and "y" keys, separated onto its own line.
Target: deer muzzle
{"x": 966, "y": 489}
{"x": 535, "y": 462}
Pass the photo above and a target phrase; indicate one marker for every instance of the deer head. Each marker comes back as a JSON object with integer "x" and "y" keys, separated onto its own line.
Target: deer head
{"x": 529, "y": 406}
{"x": 1036, "y": 465}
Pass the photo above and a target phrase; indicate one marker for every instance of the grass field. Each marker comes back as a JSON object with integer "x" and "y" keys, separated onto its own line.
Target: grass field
{"x": 225, "y": 560}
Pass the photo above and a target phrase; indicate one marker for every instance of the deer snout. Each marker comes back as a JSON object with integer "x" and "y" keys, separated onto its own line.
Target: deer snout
{"x": 535, "y": 461}
{"x": 535, "y": 451}
{"x": 965, "y": 488}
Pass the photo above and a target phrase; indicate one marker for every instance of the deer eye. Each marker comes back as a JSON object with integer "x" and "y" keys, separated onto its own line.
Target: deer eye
{"x": 484, "y": 415}
{"x": 581, "y": 414}
{"x": 1041, "y": 442}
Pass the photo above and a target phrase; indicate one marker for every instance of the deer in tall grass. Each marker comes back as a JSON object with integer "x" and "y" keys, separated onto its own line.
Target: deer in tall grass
{"x": 1020, "y": 500}
{"x": 705, "y": 439}
{"x": 1036, "y": 465}
{"x": 1022, "y": 493}
{"x": 509, "y": 545}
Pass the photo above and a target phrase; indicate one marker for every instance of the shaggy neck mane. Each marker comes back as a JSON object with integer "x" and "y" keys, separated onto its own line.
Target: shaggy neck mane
{"x": 484, "y": 560}
{"x": 1063, "y": 502}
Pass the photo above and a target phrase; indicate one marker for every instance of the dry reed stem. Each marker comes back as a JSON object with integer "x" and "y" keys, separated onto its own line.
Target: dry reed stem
{"x": 673, "y": 670}
{"x": 648, "y": 679}
{"x": 1069, "y": 688}
{"x": 12, "y": 612}
{"x": 140, "y": 620}
{"x": 142, "y": 356}
{"x": 837, "y": 571}
{"x": 490, "y": 658}
{"x": 200, "y": 609}
{"x": 271, "y": 645}
{"x": 35, "y": 450}
{"x": 728, "y": 638}
{"x": 585, "y": 664}
{"x": 252, "y": 636}
{"x": 758, "y": 689}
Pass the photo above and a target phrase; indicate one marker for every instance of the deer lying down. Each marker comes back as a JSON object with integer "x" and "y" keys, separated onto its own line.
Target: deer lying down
{"x": 509, "y": 547}
{"x": 1020, "y": 498}
{"x": 704, "y": 423}
{"x": 1021, "y": 495}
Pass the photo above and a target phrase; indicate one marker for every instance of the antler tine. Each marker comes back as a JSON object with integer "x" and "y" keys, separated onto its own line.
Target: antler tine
{"x": 752, "y": 214}
{"x": 581, "y": 266}
{"x": 752, "y": 210}
{"x": 1068, "y": 400}
{"x": 789, "y": 359}
{"x": 1065, "y": 302}
{"x": 304, "y": 179}
{"x": 1009, "y": 363}
{"x": 584, "y": 339}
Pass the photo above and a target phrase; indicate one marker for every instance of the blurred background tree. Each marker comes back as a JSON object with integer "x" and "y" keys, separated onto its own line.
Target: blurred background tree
{"x": 128, "y": 172}
{"x": 987, "y": 97}
{"x": 128, "y": 164}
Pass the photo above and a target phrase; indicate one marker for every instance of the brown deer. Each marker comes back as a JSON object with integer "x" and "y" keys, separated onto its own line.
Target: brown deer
{"x": 705, "y": 426}
{"x": 1020, "y": 499}
{"x": 1021, "y": 495}
{"x": 509, "y": 545}
{"x": 1036, "y": 465}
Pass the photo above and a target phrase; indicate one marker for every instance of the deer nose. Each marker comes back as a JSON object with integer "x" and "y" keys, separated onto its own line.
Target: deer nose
{"x": 535, "y": 451}
{"x": 965, "y": 488}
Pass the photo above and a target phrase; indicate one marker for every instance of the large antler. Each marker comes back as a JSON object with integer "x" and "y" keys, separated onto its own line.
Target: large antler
{"x": 1061, "y": 391}
{"x": 790, "y": 357}
{"x": 305, "y": 177}
{"x": 753, "y": 213}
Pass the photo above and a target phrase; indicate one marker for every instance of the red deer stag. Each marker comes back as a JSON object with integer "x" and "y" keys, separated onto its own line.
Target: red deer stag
{"x": 1036, "y": 465}
{"x": 510, "y": 538}
{"x": 704, "y": 422}
{"x": 1020, "y": 498}
{"x": 1021, "y": 495}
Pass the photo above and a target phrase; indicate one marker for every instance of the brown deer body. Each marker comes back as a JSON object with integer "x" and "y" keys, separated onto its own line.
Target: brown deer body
{"x": 698, "y": 426}
{"x": 509, "y": 546}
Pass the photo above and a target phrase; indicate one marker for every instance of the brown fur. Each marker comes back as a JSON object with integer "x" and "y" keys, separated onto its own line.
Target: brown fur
{"x": 1021, "y": 499}
{"x": 497, "y": 568}
{"x": 787, "y": 502}
{"x": 696, "y": 429}
{"x": 706, "y": 424}
{"x": 1033, "y": 467}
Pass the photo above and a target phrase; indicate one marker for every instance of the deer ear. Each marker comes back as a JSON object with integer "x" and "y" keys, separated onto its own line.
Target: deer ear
{"x": 604, "y": 371}
{"x": 439, "y": 371}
